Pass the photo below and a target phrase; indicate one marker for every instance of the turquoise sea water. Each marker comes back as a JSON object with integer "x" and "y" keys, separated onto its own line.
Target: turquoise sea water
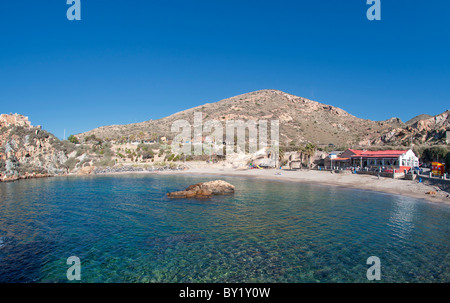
{"x": 124, "y": 229}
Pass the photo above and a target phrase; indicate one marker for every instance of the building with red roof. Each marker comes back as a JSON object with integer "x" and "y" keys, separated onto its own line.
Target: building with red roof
{"x": 388, "y": 160}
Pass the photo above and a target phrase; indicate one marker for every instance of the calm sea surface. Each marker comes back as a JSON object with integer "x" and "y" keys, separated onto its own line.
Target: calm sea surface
{"x": 124, "y": 229}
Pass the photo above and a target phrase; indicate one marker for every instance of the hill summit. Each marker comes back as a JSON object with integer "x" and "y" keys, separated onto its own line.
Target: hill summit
{"x": 301, "y": 121}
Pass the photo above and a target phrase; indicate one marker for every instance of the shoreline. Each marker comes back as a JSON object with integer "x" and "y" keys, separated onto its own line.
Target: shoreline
{"x": 401, "y": 187}
{"x": 408, "y": 188}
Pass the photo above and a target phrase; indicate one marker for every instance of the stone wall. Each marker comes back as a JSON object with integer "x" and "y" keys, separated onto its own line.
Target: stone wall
{"x": 443, "y": 184}
{"x": 383, "y": 174}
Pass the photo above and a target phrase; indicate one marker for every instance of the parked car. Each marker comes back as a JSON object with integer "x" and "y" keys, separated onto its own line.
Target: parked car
{"x": 416, "y": 170}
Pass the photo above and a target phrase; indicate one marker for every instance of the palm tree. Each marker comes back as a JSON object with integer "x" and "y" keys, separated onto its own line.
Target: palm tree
{"x": 310, "y": 150}
{"x": 141, "y": 136}
{"x": 301, "y": 151}
{"x": 154, "y": 136}
{"x": 280, "y": 156}
{"x": 132, "y": 137}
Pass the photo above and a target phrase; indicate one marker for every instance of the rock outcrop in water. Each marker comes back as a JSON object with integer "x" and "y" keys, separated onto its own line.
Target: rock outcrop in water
{"x": 204, "y": 190}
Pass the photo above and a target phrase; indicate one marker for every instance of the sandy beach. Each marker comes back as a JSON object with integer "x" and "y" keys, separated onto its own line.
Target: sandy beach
{"x": 366, "y": 182}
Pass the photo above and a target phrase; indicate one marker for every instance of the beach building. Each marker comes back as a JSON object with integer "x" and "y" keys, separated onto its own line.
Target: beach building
{"x": 340, "y": 160}
{"x": 334, "y": 154}
{"x": 399, "y": 160}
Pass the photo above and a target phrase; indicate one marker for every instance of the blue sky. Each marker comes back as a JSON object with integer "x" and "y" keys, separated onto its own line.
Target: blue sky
{"x": 129, "y": 61}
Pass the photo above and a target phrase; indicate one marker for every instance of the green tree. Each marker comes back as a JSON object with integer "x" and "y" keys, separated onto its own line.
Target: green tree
{"x": 141, "y": 136}
{"x": 279, "y": 157}
{"x": 154, "y": 137}
{"x": 301, "y": 151}
{"x": 148, "y": 154}
{"x": 73, "y": 139}
{"x": 447, "y": 162}
{"x": 435, "y": 153}
{"x": 309, "y": 151}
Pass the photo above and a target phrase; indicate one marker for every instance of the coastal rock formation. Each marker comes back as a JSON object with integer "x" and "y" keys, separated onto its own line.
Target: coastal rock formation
{"x": 86, "y": 170}
{"x": 423, "y": 129}
{"x": 204, "y": 190}
{"x": 27, "y": 151}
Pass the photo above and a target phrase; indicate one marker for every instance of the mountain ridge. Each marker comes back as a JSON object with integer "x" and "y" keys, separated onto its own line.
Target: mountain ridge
{"x": 301, "y": 121}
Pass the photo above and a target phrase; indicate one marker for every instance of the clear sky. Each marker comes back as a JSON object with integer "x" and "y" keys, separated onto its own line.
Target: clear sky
{"x": 129, "y": 61}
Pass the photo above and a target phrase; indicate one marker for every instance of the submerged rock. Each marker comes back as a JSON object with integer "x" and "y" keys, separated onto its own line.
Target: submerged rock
{"x": 204, "y": 190}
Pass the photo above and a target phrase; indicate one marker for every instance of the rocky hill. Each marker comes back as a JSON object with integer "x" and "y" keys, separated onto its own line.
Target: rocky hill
{"x": 29, "y": 152}
{"x": 417, "y": 118}
{"x": 423, "y": 129}
{"x": 301, "y": 120}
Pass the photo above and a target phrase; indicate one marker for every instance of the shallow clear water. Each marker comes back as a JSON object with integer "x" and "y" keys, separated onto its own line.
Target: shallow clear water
{"x": 124, "y": 229}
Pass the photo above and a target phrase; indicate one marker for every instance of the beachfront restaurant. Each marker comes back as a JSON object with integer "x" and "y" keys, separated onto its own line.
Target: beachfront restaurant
{"x": 386, "y": 160}
{"x": 339, "y": 160}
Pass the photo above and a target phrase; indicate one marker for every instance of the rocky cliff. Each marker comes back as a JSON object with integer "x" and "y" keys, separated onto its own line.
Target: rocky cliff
{"x": 423, "y": 129}
{"x": 27, "y": 152}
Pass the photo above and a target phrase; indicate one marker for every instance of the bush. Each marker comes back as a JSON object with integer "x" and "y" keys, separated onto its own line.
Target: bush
{"x": 148, "y": 155}
{"x": 142, "y": 146}
{"x": 71, "y": 163}
{"x": 93, "y": 139}
{"x": 154, "y": 146}
{"x": 171, "y": 157}
{"x": 81, "y": 150}
{"x": 18, "y": 131}
{"x": 73, "y": 139}
{"x": 67, "y": 147}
